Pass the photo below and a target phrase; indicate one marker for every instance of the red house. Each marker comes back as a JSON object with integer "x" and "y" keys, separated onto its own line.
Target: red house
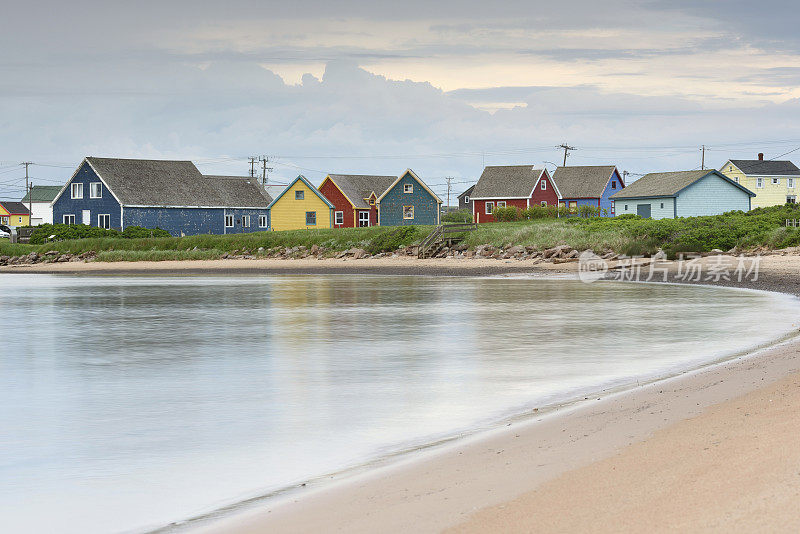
{"x": 354, "y": 197}
{"x": 521, "y": 186}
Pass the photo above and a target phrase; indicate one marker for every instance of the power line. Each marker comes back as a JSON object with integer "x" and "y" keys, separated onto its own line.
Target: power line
{"x": 566, "y": 148}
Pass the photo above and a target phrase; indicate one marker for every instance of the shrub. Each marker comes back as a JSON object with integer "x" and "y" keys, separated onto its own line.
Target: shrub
{"x": 63, "y": 232}
{"x": 585, "y": 211}
{"x": 459, "y": 216}
{"x": 507, "y": 214}
{"x": 627, "y": 216}
{"x": 392, "y": 240}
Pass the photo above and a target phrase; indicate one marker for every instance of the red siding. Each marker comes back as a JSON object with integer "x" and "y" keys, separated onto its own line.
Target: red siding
{"x": 549, "y": 195}
{"x": 340, "y": 203}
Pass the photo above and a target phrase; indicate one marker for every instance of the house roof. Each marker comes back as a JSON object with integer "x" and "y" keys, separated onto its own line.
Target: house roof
{"x": 508, "y": 181}
{"x": 411, "y": 173}
{"x": 357, "y": 187}
{"x": 668, "y": 184}
{"x": 264, "y": 192}
{"x": 139, "y": 182}
{"x": 308, "y": 184}
{"x": 14, "y": 207}
{"x": 583, "y": 181}
{"x": 467, "y": 191}
{"x": 766, "y": 167}
{"x": 42, "y": 193}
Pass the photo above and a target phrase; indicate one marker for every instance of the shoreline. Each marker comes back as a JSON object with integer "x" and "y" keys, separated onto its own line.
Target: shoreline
{"x": 466, "y": 484}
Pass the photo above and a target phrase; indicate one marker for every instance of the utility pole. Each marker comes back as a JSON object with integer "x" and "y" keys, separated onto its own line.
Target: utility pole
{"x": 28, "y": 190}
{"x": 566, "y": 148}
{"x": 265, "y": 170}
{"x": 449, "y": 179}
{"x": 252, "y": 166}
{"x": 703, "y": 158}
{"x": 625, "y": 177}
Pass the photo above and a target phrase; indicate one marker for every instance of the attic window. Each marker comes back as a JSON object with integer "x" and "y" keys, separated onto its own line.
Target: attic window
{"x": 544, "y": 185}
{"x": 408, "y": 188}
{"x": 76, "y": 191}
{"x": 95, "y": 190}
{"x": 466, "y": 199}
{"x": 613, "y": 184}
{"x": 372, "y": 202}
{"x": 299, "y": 195}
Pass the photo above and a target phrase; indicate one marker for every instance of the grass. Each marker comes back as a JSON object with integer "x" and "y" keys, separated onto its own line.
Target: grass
{"x": 632, "y": 236}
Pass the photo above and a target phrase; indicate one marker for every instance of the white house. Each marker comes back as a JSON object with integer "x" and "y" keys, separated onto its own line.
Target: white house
{"x": 40, "y": 200}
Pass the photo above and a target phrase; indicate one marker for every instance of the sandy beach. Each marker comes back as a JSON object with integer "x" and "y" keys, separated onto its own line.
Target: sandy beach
{"x": 715, "y": 449}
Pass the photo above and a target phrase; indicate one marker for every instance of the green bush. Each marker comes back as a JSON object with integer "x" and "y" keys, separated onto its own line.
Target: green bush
{"x": 627, "y": 216}
{"x": 459, "y": 216}
{"x": 507, "y": 214}
{"x": 585, "y": 211}
{"x": 392, "y": 240}
{"x": 62, "y": 232}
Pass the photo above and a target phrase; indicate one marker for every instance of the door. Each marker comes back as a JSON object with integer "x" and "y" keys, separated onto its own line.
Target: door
{"x": 643, "y": 210}
{"x": 363, "y": 218}
{"x": 87, "y": 217}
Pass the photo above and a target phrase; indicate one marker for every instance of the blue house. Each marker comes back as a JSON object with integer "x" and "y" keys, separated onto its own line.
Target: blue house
{"x": 171, "y": 195}
{"x": 662, "y": 195}
{"x": 408, "y": 201}
{"x": 588, "y": 186}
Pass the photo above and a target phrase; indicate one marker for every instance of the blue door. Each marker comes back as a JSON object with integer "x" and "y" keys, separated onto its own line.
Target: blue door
{"x": 643, "y": 210}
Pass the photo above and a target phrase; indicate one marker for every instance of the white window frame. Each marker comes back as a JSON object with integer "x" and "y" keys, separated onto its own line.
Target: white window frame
{"x": 759, "y": 183}
{"x": 229, "y": 222}
{"x": 300, "y": 194}
{"x": 408, "y": 188}
{"x": 408, "y": 209}
{"x": 361, "y": 219}
{"x": 543, "y": 203}
{"x": 466, "y": 199}
{"x": 489, "y": 208}
{"x": 501, "y": 203}
{"x": 68, "y": 218}
{"x": 338, "y": 217}
{"x": 107, "y": 217}
{"x": 76, "y": 191}
{"x": 791, "y": 199}
{"x": 245, "y": 221}
{"x": 776, "y": 181}
{"x": 544, "y": 185}
{"x": 790, "y": 183}
{"x": 99, "y": 186}
{"x": 262, "y": 221}
{"x": 315, "y": 218}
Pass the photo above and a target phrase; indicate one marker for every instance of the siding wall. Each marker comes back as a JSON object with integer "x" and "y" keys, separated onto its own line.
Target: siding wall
{"x": 340, "y": 202}
{"x": 769, "y": 194}
{"x": 479, "y": 208}
{"x": 426, "y": 208}
{"x": 42, "y": 212}
{"x": 65, "y": 205}
{"x": 605, "y": 200}
{"x": 548, "y": 195}
{"x": 194, "y": 221}
{"x": 711, "y": 196}
{"x": 656, "y": 211}
{"x": 290, "y": 214}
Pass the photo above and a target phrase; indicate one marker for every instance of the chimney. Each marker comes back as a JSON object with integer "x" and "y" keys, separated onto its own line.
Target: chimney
{"x": 760, "y": 156}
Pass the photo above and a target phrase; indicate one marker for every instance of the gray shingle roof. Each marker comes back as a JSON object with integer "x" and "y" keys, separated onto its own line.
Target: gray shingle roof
{"x": 247, "y": 179}
{"x": 508, "y": 181}
{"x": 42, "y": 193}
{"x": 357, "y": 187}
{"x": 467, "y": 191}
{"x": 767, "y": 168}
{"x": 666, "y": 184}
{"x": 14, "y": 207}
{"x": 138, "y": 182}
{"x": 582, "y": 181}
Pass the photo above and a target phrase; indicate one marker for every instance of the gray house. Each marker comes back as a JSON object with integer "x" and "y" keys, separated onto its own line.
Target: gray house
{"x": 465, "y": 200}
{"x": 664, "y": 195}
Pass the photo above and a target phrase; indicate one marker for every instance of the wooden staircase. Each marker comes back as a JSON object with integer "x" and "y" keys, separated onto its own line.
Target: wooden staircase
{"x": 443, "y": 235}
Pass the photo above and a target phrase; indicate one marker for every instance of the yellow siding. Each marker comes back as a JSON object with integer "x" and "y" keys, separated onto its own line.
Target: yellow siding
{"x": 290, "y": 214}
{"x": 13, "y": 220}
{"x": 768, "y": 194}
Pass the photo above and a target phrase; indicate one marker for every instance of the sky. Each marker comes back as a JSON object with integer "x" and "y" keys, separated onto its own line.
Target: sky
{"x": 443, "y": 88}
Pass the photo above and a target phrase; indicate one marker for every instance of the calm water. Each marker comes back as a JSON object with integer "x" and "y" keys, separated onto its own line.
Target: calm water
{"x": 130, "y": 402}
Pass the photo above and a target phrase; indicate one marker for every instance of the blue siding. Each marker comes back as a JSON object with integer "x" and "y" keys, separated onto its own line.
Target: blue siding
{"x": 194, "y": 221}
{"x": 604, "y": 199}
{"x": 711, "y": 196}
{"x": 426, "y": 207}
{"x": 65, "y": 205}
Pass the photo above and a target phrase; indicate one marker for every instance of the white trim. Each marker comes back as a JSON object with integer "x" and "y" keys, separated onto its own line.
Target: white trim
{"x": 503, "y": 202}
{"x": 417, "y": 178}
{"x": 90, "y": 189}
{"x": 66, "y": 185}
{"x": 73, "y": 189}
{"x": 266, "y": 224}
{"x": 104, "y": 215}
{"x": 243, "y": 221}
{"x": 233, "y": 221}
{"x": 412, "y": 212}
{"x": 367, "y": 213}
{"x": 500, "y": 198}
{"x": 486, "y": 205}
{"x": 64, "y": 217}
{"x": 408, "y": 189}
{"x": 336, "y": 217}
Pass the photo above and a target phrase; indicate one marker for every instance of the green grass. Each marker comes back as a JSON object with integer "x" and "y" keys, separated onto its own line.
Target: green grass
{"x": 631, "y": 236}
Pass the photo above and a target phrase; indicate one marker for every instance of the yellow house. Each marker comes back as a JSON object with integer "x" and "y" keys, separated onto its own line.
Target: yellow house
{"x": 774, "y": 182}
{"x": 300, "y": 206}
{"x": 14, "y": 214}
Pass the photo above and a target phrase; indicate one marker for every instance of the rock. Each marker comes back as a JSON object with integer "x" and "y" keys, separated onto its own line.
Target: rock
{"x": 51, "y": 253}
{"x": 341, "y": 254}
{"x": 470, "y": 254}
{"x": 515, "y": 250}
{"x": 572, "y": 254}
{"x": 358, "y": 253}
{"x": 32, "y": 257}
{"x": 716, "y": 252}
{"x": 556, "y": 251}
{"x": 564, "y": 260}
{"x": 260, "y": 250}
{"x": 314, "y": 249}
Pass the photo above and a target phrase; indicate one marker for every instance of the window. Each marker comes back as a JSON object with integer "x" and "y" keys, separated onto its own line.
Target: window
{"x": 736, "y": 179}
{"x": 338, "y": 217}
{"x": 20, "y": 220}
{"x": 790, "y": 183}
{"x": 544, "y": 203}
{"x": 76, "y": 190}
{"x": 104, "y": 221}
{"x": 372, "y": 202}
{"x": 262, "y": 221}
{"x": 791, "y": 199}
{"x": 228, "y": 221}
{"x": 95, "y": 190}
{"x": 613, "y": 207}
{"x": 299, "y": 195}
{"x": 408, "y": 212}
{"x": 363, "y": 219}
{"x": 246, "y": 221}
{"x": 776, "y": 181}
{"x": 501, "y": 204}
{"x": 311, "y": 218}
{"x": 3, "y": 220}
{"x": 626, "y": 207}
{"x": 69, "y": 219}
{"x": 466, "y": 199}
{"x": 544, "y": 185}
{"x": 759, "y": 182}
{"x": 613, "y": 184}
{"x": 573, "y": 206}
{"x": 489, "y": 208}
{"x": 662, "y": 205}
{"x": 408, "y": 188}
